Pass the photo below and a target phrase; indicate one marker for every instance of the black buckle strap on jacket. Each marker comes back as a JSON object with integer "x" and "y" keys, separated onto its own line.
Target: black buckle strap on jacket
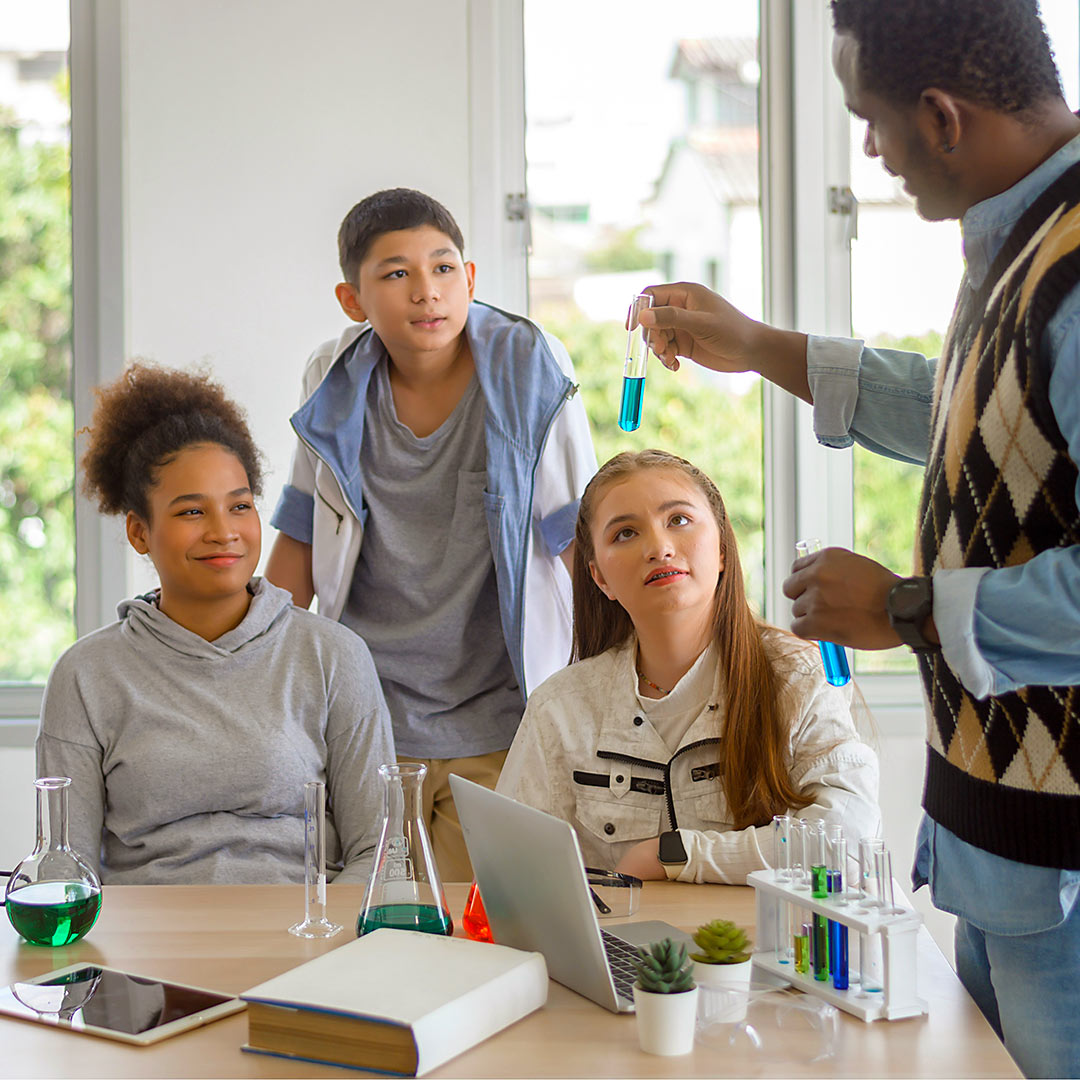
{"x": 644, "y": 785}
{"x": 665, "y": 767}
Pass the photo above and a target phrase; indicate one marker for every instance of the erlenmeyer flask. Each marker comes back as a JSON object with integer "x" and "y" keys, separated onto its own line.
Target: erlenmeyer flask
{"x": 53, "y": 896}
{"x": 405, "y": 891}
{"x": 474, "y": 919}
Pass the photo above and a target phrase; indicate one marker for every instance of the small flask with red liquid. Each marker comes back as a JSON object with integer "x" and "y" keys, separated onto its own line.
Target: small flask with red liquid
{"x": 474, "y": 921}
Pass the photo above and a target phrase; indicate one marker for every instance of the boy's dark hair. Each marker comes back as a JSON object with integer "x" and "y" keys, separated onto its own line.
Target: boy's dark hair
{"x": 144, "y": 419}
{"x": 388, "y": 211}
{"x": 991, "y": 52}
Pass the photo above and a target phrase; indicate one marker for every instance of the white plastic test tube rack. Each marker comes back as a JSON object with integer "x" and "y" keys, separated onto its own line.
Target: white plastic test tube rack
{"x": 898, "y": 998}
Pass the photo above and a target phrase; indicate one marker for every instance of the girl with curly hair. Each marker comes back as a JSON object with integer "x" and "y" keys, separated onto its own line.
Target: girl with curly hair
{"x": 685, "y": 723}
{"x": 190, "y": 726}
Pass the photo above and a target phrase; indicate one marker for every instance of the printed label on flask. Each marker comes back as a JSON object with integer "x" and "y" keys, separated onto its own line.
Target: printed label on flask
{"x": 398, "y": 870}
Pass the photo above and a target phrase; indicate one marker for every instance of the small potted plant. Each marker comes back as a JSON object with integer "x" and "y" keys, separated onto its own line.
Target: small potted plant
{"x": 722, "y": 967}
{"x": 665, "y": 998}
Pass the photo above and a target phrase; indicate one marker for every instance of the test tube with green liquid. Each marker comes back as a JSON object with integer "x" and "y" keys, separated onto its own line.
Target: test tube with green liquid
{"x": 637, "y": 354}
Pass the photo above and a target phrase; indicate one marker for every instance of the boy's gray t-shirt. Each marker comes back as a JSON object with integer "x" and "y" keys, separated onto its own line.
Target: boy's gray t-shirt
{"x": 423, "y": 593}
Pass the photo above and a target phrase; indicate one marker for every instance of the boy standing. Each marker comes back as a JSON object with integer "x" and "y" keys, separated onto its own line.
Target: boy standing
{"x": 442, "y": 453}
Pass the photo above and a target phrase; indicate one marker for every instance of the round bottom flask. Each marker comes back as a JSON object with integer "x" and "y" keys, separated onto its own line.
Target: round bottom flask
{"x": 53, "y": 896}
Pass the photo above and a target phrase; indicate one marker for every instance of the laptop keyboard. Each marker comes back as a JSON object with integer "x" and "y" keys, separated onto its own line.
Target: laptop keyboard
{"x": 620, "y": 957}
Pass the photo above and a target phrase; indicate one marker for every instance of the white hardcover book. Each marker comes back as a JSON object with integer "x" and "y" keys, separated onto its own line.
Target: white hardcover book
{"x": 449, "y": 993}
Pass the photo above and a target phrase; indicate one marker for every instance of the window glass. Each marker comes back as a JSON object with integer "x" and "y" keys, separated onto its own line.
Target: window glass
{"x": 37, "y": 535}
{"x": 642, "y": 158}
{"x": 905, "y": 273}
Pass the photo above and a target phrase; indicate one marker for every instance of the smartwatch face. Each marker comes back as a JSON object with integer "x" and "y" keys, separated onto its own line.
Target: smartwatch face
{"x": 908, "y": 597}
{"x": 671, "y": 851}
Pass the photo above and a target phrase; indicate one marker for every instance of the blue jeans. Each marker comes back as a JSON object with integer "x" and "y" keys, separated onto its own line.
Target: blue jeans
{"x": 1017, "y": 945}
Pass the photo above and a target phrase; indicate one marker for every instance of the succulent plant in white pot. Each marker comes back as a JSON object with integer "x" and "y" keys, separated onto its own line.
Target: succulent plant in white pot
{"x": 722, "y": 970}
{"x": 665, "y": 998}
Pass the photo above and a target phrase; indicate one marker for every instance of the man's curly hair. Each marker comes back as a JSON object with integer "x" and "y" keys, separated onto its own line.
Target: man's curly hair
{"x": 144, "y": 419}
{"x": 994, "y": 53}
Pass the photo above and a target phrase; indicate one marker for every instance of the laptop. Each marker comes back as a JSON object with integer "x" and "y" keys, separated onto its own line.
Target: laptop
{"x": 536, "y": 895}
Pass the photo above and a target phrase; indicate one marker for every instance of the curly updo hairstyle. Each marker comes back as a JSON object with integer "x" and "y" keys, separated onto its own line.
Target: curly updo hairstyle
{"x": 144, "y": 419}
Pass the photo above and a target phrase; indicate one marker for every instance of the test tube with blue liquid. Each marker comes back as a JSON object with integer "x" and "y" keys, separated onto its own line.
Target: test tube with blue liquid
{"x": 838, "y": 932}
{"x": 832, "y": 655}
{"x": 637, "y": 354}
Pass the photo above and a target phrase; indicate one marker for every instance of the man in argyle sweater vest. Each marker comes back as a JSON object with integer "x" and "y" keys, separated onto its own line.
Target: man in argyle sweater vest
{"x": 963, "y": 102}
{"x": 1000, "y": 487}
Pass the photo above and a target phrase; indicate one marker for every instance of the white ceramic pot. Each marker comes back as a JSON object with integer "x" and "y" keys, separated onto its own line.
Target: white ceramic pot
{"x": 666, "y": 1022}
{"x": 725, "y": 991}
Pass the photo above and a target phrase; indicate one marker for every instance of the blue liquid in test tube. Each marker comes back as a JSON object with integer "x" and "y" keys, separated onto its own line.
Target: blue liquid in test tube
{"x": 833, "y": 656}
{"x": 835, "y": 660}
{"x": 637, "y": 353}
{"x": 838, "y": 938}
{"x": 633, "y": 394}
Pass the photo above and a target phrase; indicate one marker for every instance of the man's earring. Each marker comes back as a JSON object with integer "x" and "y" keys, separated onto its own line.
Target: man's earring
{"x": 947, "y": 149}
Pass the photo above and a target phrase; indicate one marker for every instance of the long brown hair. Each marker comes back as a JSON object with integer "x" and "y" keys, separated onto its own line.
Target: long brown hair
{"x": 758, "y": 713}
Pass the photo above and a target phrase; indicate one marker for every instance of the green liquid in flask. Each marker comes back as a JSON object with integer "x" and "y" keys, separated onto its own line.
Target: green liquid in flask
{"x": 424, "y": 917}
{"x": 54, "y": 912}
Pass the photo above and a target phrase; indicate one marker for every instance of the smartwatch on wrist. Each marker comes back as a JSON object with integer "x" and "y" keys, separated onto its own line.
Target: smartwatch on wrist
{"x": 910, "y": 603}
{"x": 671, "y": 851}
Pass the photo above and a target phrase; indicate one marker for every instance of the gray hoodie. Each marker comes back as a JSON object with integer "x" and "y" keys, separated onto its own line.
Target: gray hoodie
{"x": 189, "y": 757}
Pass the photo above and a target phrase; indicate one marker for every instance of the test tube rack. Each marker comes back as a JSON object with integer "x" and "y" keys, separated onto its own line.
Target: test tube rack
{"x": 898, "y": 998}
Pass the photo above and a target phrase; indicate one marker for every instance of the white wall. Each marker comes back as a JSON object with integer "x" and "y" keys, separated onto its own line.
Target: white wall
{"x": 246, "y": 131}
{"x": 18, "y": 805}
{"x": 250, "y": 128}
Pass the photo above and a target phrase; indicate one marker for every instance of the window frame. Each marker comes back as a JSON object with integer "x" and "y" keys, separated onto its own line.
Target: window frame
{"x": 823, "y": 491}
{"x": 806, "y": 262}
{"x": 95, "y": 62}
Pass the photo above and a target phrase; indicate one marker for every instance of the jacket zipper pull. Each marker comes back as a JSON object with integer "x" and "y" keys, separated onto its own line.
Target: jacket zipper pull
{"x": 340, "y": 517}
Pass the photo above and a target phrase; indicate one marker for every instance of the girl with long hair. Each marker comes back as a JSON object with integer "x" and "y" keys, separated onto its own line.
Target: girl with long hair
{"x": 190, "y": 726}
{"x": 685, "y": 723}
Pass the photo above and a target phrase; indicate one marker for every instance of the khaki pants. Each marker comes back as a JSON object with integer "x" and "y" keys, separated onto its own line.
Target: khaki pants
{"x": 440, "y": 814}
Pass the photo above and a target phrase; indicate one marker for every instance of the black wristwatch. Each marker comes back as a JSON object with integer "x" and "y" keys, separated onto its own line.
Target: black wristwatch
{"x": 910, "y": 603}
{"x": 672, "y": 852}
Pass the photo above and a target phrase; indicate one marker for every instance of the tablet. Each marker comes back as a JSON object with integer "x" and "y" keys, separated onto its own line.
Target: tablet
{"x": 114, "y": 1004}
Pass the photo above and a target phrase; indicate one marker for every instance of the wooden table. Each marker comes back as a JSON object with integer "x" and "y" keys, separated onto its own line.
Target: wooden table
{"x": 229, "y": 938}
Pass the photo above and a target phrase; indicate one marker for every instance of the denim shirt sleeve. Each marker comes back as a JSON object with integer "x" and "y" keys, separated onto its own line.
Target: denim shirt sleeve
{"x": 557, "y": 529}
{"x": 1000, "y": 629}
{"x": 294, "y": 514}
{"x": 879, "y": 398}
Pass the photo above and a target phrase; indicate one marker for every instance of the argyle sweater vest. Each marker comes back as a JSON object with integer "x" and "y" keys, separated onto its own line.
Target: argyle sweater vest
{"x": 1004, "y": 773}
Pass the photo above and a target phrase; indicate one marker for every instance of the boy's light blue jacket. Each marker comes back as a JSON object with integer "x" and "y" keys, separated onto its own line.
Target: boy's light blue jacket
{"x": 539, "y": 459}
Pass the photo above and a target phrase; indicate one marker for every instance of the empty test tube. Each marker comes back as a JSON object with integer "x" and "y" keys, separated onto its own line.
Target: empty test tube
{"x": 637, "y": 354}
{"x": 799, "y": 847}
{"x": 782, "y": 872}
{"x": 868, "y": 894}
{"x": 832, "y": 655}
{"x": 885, "y": 885}
{"x": 870, "y": 953}
{"x": 781, "y": 846}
